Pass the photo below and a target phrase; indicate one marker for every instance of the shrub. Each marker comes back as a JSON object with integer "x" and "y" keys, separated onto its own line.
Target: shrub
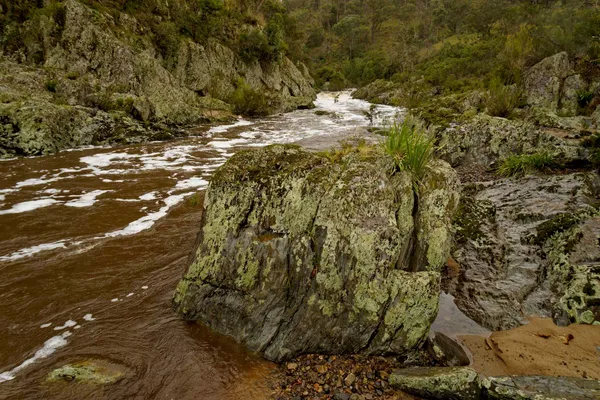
{"x": 411, "y": 146}
{"x": 51, "y": 85}
{"x": 253, "y": 45}
{"x": 167, "y": 41}
{"x": 247, "y": 101}
{"x": 501, "y": 100}
{"x": 522, "y": 164}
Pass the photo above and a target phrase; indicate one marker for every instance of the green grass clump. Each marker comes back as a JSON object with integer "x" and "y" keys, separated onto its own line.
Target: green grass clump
{"x": 522, "y": 164}
{"x": 51, "y": 86}
{"x": 411, "y": 146}
{"x": 502, "y": 100}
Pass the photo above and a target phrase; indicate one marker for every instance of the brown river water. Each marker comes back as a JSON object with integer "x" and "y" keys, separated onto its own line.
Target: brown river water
{"x": 93, "y": 242}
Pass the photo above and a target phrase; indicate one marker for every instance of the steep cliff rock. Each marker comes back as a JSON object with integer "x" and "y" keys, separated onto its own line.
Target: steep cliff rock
{"x": 299, "y": 254}
{"x": 80, "y": 62}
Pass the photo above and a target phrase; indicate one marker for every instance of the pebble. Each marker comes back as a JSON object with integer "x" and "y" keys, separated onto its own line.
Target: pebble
{"x": 350, "y": 379}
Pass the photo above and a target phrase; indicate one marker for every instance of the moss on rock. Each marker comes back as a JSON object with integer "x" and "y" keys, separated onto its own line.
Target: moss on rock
{"x": 301, "y": 253}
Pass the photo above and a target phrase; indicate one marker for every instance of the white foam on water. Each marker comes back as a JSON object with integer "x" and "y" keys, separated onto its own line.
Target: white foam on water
{"x": 226, "y": 144}
{"x": 36, "y": 182}
{"x": 70, "y": 323}
{"x": 144, "y": 287}
{"x": 130, "y": 294}
{"x": 77, "y": 327}
{"x": 50, "y": 346}
{"x": 87, "y": 199}
{"x": 129, "y": 200}
{"x": 89, "y": 317}
{"x": 225, "y": 128}
{"x": 194, "y": 182}
{"x": 51, "y": 191}
{"x": 147, "y": 221}
{"x": 114, "y": 300}
{"x": 103, "y": 160}
{"x": 148, "y": 196}
{"x": 2, "y": 197}
{"x": 44, "y": 326}
{"x": 113, "y": 180}
{"x": 29, "y": 206}
{"x": 33, "y": 250}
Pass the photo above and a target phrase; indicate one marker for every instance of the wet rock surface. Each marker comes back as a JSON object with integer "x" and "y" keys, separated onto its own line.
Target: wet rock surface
{"x": 299, "y": 254}
{"x": 90, "y": 371}
{"x": 540, "y": 388}
{"x": 450, "y": 383}
{"x": 514, "y": 237}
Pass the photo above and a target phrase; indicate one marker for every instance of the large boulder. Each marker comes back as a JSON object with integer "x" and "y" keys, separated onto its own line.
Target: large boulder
{"x": 485, "y": 140}
{"x": 449, "y": 383}
{"x": 304, "y": 253}
{"x": 528, "y": 247}
{"x": 544, "y": 81}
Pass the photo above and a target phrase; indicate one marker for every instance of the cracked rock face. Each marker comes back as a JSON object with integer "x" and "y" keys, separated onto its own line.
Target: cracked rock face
{"x": 528, "y": 247}
{"x": 300, "y": 254}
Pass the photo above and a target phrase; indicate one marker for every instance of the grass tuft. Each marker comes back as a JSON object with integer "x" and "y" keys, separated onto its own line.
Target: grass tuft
{"x": 502, "y": 100}
{"x": 411, "y": 146}
{"x": 522, "y": 164}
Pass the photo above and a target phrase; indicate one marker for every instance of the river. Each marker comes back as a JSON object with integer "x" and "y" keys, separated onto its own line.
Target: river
{"x": 93, "y": 242}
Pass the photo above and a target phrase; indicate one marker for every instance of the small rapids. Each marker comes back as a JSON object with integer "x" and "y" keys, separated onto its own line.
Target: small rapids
{"x": 94, "y": 240}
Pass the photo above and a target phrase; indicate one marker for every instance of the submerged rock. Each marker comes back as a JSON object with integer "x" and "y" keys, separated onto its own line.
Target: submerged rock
{"x": 528, "y": 247}
{"x": 94, "y": 372}
{"x": 302, "y": 254}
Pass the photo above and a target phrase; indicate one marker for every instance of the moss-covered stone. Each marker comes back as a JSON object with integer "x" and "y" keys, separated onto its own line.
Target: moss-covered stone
{"x": 451, "y": 383}
{"x": 300, "y": 252}
{"x": 91, "y": 372}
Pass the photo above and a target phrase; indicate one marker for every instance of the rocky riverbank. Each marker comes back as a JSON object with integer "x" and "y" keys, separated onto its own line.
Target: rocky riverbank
{"x": 349, "y": 239}
{"x": 96, "y": 76}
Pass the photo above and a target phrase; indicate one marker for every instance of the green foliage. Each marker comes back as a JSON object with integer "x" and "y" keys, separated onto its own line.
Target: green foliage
{"x": 247, "y": 101}
{"x": 167, "y": 42}
{"x": 51, "y": 85}
{"x": 522, "y": 164}
{"x": 334, "y": 79}
{"x": 411, "y": 146}
{"x": 584, "y": 97}
{"x": 263, "y": 45}
{"x": 360, "y": 148}
{"x": 501, "y": 100}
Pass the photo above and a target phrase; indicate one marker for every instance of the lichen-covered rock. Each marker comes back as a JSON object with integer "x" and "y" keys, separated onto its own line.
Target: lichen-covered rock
{"x": 90, "y": 371}
{"x": 540, "y": 388}
{"x": 485, "y": 140}
{"x": 517, "y": 248}
{"x": 300, "y": 254}
{"x": 544, "y": 81}
{"x": 448, "y": 383}
{"x": 100, "y": 61}
{"x": 574, "y": 266}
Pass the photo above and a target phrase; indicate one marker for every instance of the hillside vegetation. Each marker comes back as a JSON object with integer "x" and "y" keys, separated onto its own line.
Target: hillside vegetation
{"x": 439, "y": 46}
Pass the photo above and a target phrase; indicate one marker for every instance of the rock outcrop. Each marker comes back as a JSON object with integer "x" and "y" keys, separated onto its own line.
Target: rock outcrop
{"x": 299, "y": 253}
{"x": 91, "y": 69}
{"x": 528, "y": 247}
{"x": 485, "y": 140}
{"x": 463, "y": 383}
